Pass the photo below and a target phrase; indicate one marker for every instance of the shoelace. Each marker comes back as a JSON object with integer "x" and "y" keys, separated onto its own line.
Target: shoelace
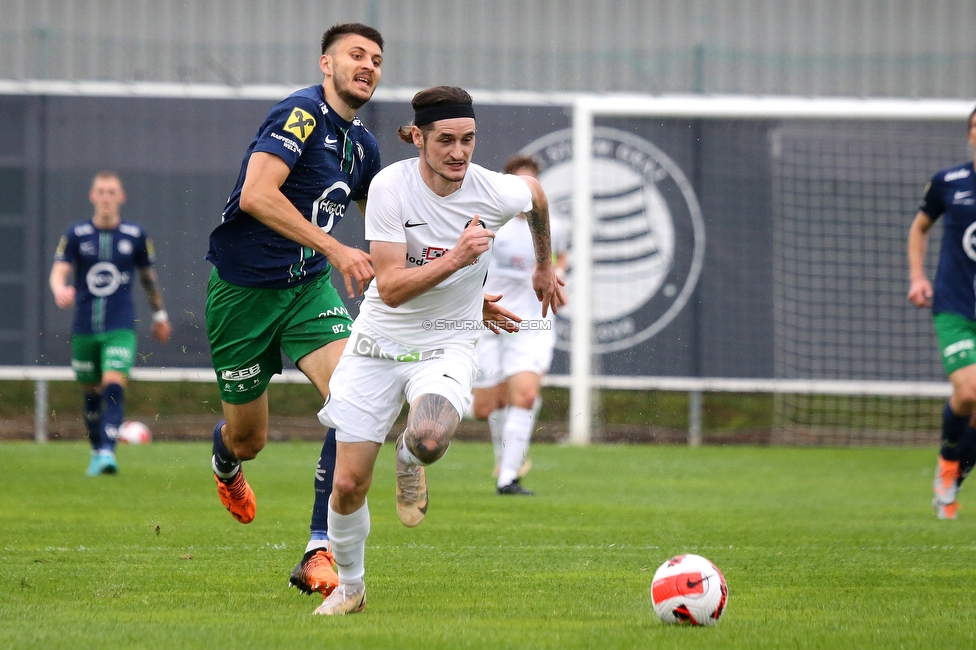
{"x": 411, "y": 485}
{"x": 238, "y": 488}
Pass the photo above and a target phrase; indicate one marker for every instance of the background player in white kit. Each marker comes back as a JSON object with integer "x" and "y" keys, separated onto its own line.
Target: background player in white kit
{"x": 511, "y": 364}
{"x": 429, "y": 221}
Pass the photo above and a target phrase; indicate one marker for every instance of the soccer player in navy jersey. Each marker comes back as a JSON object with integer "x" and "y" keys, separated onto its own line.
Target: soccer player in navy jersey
{"x": 270, "y": 290}
{"x": 104, "y": 254}
{"x": 951, "y": 194}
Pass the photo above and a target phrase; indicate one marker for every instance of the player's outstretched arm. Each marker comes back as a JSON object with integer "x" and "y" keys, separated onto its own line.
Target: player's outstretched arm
{"x": 548, "y": 286}
{"x": 64, "y": 293}
{"x": 397, "y": 284}
{"x": 496, "y": 317}
{"x": 262, "y": 199}
{"x": 161, "y": 328}
{"x": 919, "y": 289}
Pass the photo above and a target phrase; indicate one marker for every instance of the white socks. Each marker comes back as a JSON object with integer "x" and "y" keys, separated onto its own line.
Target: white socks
{"x": 347, "y": 534}
{"x": 406, "y": 456}
{"x": 517, "y": 433}
{"x": 496, "y": 425}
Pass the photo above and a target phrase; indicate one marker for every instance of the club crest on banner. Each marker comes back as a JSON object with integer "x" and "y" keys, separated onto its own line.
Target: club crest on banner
{"x": 648, "y": 234}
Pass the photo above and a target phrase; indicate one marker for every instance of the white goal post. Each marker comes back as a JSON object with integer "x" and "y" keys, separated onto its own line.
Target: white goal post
{"x": 587, "y": 108}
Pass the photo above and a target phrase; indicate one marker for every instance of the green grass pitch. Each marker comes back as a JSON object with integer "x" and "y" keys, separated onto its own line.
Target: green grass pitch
{"x": 822, "y": 548}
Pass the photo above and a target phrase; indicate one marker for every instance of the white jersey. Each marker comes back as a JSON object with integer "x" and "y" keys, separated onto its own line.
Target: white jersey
{"x": 403, "y": 210}
{"x": 512, "y": 265}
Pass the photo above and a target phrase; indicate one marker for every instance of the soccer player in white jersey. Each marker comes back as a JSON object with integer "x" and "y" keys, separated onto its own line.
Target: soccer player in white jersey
{"x": 430, "y": 221}
{"x": 511, "y": 364}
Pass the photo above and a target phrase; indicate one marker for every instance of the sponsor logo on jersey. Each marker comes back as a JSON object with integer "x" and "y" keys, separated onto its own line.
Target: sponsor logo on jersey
{"x": 360, "y": 151}
{"x": 957, "y": 347}
{"x": 82, "y": 366}
{"x": 300, "y": 124}
{"x": 239, "y": 375}
{"x": 289, "y": 144}
{"x": 84, "y": 229}
{"x": 324, "y": 109}
{"x": 62, "y": 246}
{"x": 648, "y": 233}
{"x": 119, "y": 352}
{"x": 969, "y": 241}
{"x": 330, "y": 207}
{"x": 87, "y": 248}
{"x": 130, "y": 230}
{"x": 956, "y": 175}
{"x": 331, "y": 143}
{"x": 963, "y": 198}
{"x": 104, "y": 279}
{"x": 365, "y": 346}
{"x": 124, "y": 246}
{"x": 427, "y": 253}
{"x": 334, "y": 311}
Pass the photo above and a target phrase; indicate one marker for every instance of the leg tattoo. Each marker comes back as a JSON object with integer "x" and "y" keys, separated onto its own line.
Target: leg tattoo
{"x": 430, "y": 426}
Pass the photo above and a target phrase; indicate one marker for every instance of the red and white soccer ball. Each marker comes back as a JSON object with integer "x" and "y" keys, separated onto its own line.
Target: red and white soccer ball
{"x": 134, "y": 433}
{"x": 689, "y": 589}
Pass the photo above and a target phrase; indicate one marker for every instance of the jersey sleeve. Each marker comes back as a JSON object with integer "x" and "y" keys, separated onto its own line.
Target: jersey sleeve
{"x": 144, "y": 254}
{"x": 514, "y": 194}
{"x": 289, "y": 125}
{"x": 384, "y": 211}
{"x": 932, "y": 203}
{"x": 67, "y": 250}
{"x": 371, "y": 160}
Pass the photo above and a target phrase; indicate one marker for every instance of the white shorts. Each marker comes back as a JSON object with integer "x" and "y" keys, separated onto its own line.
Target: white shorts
{"x": 366, "y": 393}
{"x": 501, "y": 356}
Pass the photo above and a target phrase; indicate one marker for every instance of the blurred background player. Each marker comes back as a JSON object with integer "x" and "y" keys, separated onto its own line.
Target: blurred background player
{"x": 429, "y": 224}
{"x": 270, "y": 289}
{"x": 511, "y": 364}
{"x": 104, "y": 253}
{"x": 951, "y": 193}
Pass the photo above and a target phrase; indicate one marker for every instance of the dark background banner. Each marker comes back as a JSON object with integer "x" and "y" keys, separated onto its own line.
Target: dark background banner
{"x": 179, "y": 158}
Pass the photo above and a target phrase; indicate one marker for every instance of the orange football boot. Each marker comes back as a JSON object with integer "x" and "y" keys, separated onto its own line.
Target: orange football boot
{"x": 315, "y": 573}
{"x": 237, "y": 497}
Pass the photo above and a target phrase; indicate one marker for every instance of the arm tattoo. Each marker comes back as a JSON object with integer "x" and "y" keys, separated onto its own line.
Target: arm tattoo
{"x": 538, "y": 220}
{"x": 430, "y": 426}
{"x": 148, "y": 277}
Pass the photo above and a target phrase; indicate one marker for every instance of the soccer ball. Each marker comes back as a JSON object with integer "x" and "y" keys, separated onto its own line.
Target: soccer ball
{"x": 689, "y": 589}
{"x": 135, "y": 433}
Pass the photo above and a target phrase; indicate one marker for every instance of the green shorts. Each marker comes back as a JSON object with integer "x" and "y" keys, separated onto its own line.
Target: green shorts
{"x": 957, "y": 340}
{"x": 250, "y": 327}
{"x": 93, "y": 354}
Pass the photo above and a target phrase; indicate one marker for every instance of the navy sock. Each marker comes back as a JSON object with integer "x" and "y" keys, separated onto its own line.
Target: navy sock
{"x": 967, "y": 453}
{"x": 112, "y": 414}
{"x": 953, "y": 427}
{"x": 324, "y": 474}
{"x": 93, "y": 419}
{"x": 224, "y": 460}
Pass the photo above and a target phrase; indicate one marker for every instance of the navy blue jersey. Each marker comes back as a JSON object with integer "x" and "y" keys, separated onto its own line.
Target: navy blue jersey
{"x": 104, "y": 263}
{"x": 952, "y": 193}
{"x": 332, "y": 162}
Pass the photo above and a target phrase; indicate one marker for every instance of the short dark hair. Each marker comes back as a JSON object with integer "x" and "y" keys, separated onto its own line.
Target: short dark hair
{"x": 338, "y": 31}
{"x": 521, "y": 161}
{"x": 433, "y": 97}
{"x": 107, "y": 174}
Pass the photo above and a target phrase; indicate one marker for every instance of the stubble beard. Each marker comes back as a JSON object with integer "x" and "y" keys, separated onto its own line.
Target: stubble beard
{"x": 355, "y": 102}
